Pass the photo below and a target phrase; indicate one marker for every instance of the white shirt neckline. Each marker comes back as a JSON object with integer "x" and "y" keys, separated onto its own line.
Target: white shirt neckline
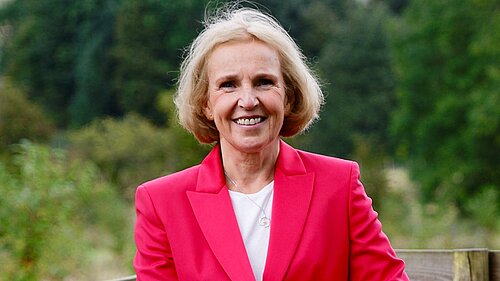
{"x": 255, "y": 236}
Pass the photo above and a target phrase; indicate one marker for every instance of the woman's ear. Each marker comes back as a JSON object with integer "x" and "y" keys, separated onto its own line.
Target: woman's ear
{"x": 208, "y": 112}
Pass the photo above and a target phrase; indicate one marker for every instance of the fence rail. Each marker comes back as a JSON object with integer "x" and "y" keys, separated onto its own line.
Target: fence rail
{"x": 443, "y": 265}
{"x": 453, "y": 265}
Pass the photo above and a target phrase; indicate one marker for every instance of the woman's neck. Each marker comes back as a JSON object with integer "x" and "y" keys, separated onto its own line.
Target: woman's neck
{"x": 250, "y": 171}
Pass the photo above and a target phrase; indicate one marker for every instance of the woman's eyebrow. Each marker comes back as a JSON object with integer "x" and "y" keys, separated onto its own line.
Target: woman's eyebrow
{"x": 226, "y": 78}
{"x": 265, "y": 75}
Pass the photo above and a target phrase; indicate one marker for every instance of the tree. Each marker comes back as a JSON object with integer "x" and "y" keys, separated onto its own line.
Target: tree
{"x": 86, "y": 59}
{"x": 58, "y": 51}
{"x": 396, "y": 6}
{"x": 93, "y": 66}
{"x": 448, "y": 120}
{"x": 308, "y": 22}
{"x": 38, "y": 53}
{"x": 355, "y": 64}
{"x": 150, "y": 37}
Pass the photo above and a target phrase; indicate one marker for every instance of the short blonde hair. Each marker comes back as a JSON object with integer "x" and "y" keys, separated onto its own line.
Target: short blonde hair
{"x": 302, "y": 88}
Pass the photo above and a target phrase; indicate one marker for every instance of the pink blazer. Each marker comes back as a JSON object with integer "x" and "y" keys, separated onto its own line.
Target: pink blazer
{"x": 323, "y": 226}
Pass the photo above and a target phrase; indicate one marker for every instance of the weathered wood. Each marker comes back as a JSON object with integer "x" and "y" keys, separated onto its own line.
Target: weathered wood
{"x": 452, "y": 265}
{"x": 429, "y": 265}
{"x": 470, "y": 265}
{"x": 494, "y": 258}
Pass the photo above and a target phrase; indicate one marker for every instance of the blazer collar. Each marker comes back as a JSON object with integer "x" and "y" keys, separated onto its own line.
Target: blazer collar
{"x": 293, "y": 187}
{"x": 213, "y": 209}
{"x": 214, "y": 212}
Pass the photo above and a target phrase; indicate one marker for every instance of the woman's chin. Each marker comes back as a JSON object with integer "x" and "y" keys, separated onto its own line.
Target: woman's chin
{"x": 251, "y": 144}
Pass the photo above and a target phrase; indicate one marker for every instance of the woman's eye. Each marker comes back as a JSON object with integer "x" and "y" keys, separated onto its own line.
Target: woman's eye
{"x": 265, "y": 82}
{"x": 227, "y": 84}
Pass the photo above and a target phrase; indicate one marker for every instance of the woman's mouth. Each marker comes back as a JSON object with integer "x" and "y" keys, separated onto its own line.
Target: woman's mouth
{"x": 249, "y": 121}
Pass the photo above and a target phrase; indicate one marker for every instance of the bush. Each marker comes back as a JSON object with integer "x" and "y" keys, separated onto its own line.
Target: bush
{"x": 372, "y": 161}
{"x": 52, "y": 211}
{"x": 413, "y": 224}
{"x": 188, "y": 151}
{"x": 128, "y": 151}
{"x": 20, "y": 118}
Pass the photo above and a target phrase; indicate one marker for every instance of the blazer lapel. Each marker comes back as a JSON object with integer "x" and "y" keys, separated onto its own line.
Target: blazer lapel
{"x": 293, "y": 189}
{"x": 213, "y": 210}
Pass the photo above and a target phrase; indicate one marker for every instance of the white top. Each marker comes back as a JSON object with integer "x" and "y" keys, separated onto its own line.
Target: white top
{"x": 255, "y": 236}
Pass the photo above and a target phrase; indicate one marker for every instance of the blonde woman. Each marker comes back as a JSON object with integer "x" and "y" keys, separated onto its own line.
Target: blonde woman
{"x": 256, "y": 208}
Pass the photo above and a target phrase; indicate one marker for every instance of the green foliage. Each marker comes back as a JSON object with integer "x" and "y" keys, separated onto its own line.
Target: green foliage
{"x": 305, "y": 20}
{"x": 485, "y": 208}
{"x": 372, "y": 163}
{"x": 93, "y": 94}
{"x": 128, "y": 151}
{"x": 412, "y": 224}
{"x": 150, "y": 37}
{"x": 20, "y": 118}
{"x": 82, "y": 60}
{"x": 51, "y": 210}
{"x": 396, "y": 6}
{"x": 58, "y": 50}
{"x": 39, "y": 51}
{"x": 188, "y": 151}
{"x": 448, "y": 119}
{"x": 360, "y": 89}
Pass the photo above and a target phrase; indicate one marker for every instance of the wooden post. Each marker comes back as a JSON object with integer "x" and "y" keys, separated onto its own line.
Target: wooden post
{"x": 494, "y": 265}
{"x": 452, "y": 265}
{"x": 471, "y": 265}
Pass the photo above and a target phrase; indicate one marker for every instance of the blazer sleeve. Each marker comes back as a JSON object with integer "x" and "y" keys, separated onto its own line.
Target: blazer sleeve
{"x": 371, "y": 256}
{"x": 153, "y": 259}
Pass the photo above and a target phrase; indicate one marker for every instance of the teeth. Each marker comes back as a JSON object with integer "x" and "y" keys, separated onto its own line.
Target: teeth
{"x": 248, "y": 121}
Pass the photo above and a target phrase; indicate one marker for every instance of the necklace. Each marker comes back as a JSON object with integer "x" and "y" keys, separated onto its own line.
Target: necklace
{"x": 264, "y": 220}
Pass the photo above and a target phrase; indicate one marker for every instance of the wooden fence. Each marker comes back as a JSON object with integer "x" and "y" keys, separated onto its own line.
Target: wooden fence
{"x": 443, "y": 265}
{"x": 453, "y": 265}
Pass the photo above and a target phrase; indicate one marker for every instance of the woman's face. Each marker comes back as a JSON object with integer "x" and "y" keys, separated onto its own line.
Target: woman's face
{"x": 246, "y": 94}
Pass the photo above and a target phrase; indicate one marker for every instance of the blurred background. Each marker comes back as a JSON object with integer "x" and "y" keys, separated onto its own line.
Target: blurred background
{"x": 86, "y": 114}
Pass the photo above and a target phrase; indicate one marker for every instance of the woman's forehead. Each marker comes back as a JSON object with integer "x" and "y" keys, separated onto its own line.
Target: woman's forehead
{"x": 232, "y": 57}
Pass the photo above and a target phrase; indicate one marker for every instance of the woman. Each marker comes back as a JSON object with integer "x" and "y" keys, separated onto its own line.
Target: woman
{"x": 256, "y": 208}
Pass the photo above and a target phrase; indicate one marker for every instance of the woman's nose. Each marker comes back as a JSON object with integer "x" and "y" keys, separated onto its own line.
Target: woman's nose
{"x": 248, "y": 100}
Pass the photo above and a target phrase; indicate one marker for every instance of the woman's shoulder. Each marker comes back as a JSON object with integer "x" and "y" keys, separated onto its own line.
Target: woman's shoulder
{"x": 314, "y": 159}
{"x": 179, "y": 181}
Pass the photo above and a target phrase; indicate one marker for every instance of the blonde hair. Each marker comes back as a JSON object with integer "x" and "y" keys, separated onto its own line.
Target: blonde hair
{"x": 302, "y": 88}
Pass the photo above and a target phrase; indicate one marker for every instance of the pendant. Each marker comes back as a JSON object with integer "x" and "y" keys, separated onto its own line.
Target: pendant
{"x": 264, "y": 221}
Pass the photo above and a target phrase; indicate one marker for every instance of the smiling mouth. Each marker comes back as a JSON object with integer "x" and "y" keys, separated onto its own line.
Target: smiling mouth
{"x": 249, "y": 121}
